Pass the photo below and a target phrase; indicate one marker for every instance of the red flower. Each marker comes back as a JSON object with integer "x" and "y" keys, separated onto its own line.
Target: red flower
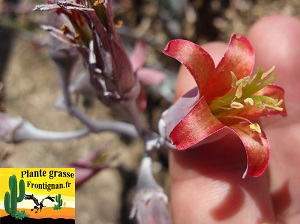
{"x": 227, "y": 99}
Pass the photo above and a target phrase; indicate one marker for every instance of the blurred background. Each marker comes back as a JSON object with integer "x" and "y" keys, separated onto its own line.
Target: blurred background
{"x": 31, "y": 88}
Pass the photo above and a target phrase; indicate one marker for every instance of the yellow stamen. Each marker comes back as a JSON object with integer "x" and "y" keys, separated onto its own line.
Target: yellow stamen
{"x": 259, "y": 104}
{"x": 97, "y": 3}
{"x": 76, "y": 36}
{"x": 268, "y": 102}
{"x": 249, "y": 101}
{"x": 241, "y": 83}
{"x": 118, "y": 23}
{"x": 234, "y": 79}
{"x": 236, "y": 105}
{"x": 239, "y": 92}
{"x": 255, "y": 128}
{"x": 245, "y": 92}
{"x": 279, "y": 103}
{"x": 270, "y": 106}
{"x": 264, "y": 75}
{"x": 65, "y": 29}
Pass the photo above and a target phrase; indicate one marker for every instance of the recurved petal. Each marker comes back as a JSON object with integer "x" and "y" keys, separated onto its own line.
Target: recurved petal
{"x": 194, "y": 58}
{"x": 196, "y": 126}
{"x": 257, "y": 149}
{"x": 276, "y": 92}
{"x": 239, "y": 58}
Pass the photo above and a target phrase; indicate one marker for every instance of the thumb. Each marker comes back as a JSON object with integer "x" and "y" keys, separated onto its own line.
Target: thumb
{"x": 207, "y": 184}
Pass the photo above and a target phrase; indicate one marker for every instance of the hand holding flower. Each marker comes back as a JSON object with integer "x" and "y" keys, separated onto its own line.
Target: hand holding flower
{"x": 207, "y": 183}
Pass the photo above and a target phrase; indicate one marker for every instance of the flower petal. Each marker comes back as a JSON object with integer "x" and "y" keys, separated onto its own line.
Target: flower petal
{"x": 239, "y": 59}
{"x": 150, "y": 77}
{"x": 257, "y": 149}
{"x": 196, "y": 126}
{"x": 276, "y": 92}
{"x": 138, "y": 55}
{"x": 171, "y": 117}
{"x": 59, "y": 34}
{"x": 196, "y": 60}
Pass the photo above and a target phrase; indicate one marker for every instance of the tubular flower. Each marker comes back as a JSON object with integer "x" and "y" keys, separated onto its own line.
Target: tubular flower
{"x": 93, "y": 33}
{"x": 226, "y": 99}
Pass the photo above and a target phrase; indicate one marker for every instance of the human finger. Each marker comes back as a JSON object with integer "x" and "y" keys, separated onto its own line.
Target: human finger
{"x": 207, "y": 184}
{"x": 276, "y": 42}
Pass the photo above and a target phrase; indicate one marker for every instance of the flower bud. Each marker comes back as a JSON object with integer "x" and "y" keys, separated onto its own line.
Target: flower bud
{"x": 149, "y": 205}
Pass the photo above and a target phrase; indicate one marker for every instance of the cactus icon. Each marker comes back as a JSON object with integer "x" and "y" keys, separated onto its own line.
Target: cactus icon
{"x": 11, "y": 199}
{"x": 59, "y": 202}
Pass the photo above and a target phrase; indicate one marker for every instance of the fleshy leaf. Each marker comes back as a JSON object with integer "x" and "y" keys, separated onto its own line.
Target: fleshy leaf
{"x": 257, "y": 149}
{"x": 239, "y": 58}
{"x": 194, "y": 58}
{"x": 196, "y": 126}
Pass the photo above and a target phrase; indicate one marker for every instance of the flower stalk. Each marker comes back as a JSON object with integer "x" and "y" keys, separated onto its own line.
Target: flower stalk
{"x": 15, "y": 130}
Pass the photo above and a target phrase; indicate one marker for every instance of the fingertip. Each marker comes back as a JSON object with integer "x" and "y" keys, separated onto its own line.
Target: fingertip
{"x": 202, "y": 178}
{"x": 184, "y": 82}
{"x": 275, "y": 40}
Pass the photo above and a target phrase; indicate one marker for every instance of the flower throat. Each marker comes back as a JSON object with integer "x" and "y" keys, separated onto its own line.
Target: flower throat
{"x": 245, "y": 92}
